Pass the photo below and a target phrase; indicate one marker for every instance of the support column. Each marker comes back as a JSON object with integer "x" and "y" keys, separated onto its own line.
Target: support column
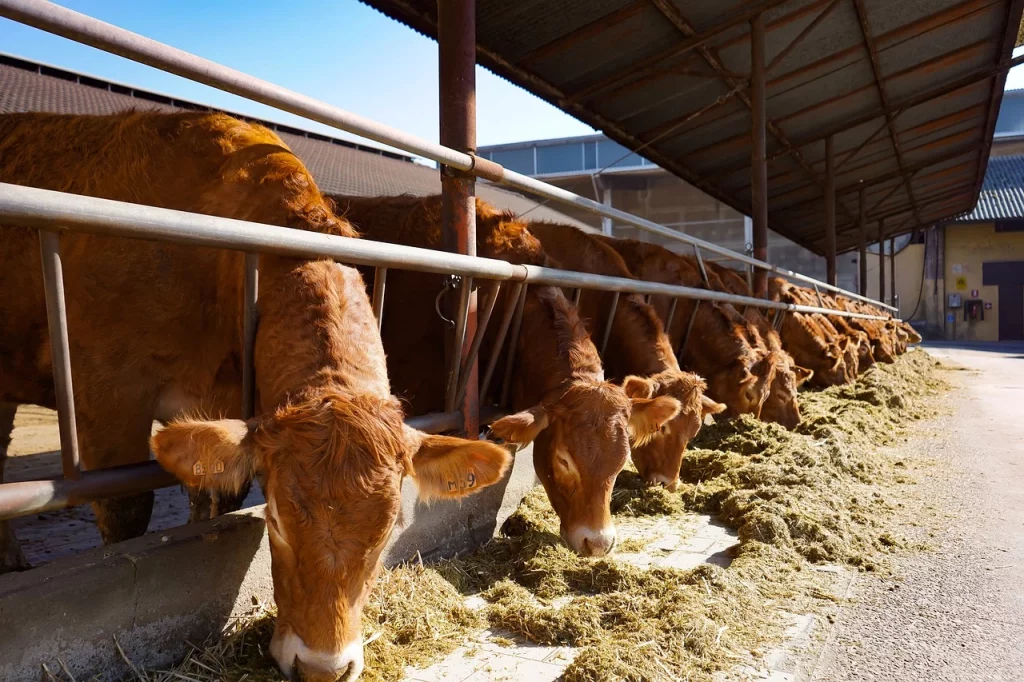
{"x": 863, "y": 246}
{"x": 881, "y": 260}
{"x": 892, "y": 269}
{"x": 830, "y": 213}
{"x": 456, "y": 37}
{"x": 606, "y": 199}
{"x": 758, "y": 157}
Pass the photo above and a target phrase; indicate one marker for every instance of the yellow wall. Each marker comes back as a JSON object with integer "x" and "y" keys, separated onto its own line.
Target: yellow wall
{"x": 969, "y": 246}
{"x": 909, "y": 266}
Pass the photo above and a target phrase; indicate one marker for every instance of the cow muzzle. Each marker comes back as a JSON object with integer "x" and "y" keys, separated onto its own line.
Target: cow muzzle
{"x": 300, "y": 663}
{"x": 589, "y": 542}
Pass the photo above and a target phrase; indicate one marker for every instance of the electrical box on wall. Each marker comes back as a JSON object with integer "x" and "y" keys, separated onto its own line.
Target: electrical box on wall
{"x": 954, "y": 301}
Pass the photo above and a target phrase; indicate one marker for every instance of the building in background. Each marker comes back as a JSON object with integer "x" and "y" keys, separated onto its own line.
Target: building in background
{"x": 597, "y": 167}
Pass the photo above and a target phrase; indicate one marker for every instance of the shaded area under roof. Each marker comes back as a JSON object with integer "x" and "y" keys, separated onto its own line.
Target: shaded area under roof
{"x": 908, "y": 90}
{"x": 338, "y": 166}
{"x": 1002, "y": 194}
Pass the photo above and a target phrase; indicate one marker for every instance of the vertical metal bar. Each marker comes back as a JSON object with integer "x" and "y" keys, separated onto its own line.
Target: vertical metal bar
{"x": 671, "y": 315}
{"x": 777, "y": 320}
{"x": 249, "y": 320}
{"x": 478, "y": 338}
{"x": 608, "y": 324}
{"x": 830, "y": 212}
{"x": 863, "y": 246}
{"x": 758, "y": 156}
{"x": 456, "y": 38}
{"x": 499, "y": 341}
{"x": 513, "y": 341}
{"x": 892, "y": 271}
{"x": 458, "y": 358}
{"x": 60, "y": 350}
{"x": 576, "y": 296}
{"x": 817, "y": 292}
{"x": 689, "y": 328}
{"x": 700, "y": 263}
{"x": 881, "y": 260}
{"x": 380, "y": 278}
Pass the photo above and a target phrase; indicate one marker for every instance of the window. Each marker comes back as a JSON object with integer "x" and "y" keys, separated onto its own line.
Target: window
{"x": 560, "y": 158}
{"x": 1010, "y": 226}
{"x": 608, "y": 151}
{"x": 518, "y": 160}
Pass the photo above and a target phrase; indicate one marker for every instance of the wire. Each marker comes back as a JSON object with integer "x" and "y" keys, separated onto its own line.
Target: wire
{"x": 920, "y": 292}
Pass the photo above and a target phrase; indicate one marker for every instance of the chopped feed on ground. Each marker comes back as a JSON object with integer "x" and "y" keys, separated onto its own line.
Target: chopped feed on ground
{"x": 824, "y": 493}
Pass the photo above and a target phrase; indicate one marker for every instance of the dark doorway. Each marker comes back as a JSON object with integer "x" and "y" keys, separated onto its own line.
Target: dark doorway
{"x": 1009, "y": 277}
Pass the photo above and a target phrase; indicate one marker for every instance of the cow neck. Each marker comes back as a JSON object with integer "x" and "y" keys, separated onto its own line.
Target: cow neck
{"x": 316, "y": 332}
{"x": 638, "y": 343}
{"x": 554, "y": 349}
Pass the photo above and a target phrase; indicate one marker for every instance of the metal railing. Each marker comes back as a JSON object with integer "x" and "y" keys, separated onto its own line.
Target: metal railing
{"x": 47, "y": 210}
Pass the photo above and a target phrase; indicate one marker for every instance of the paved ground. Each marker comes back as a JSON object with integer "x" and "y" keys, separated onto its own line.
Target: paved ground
{"x": 958, "y": 613}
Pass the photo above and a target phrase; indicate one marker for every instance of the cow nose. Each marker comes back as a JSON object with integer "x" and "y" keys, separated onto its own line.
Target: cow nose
{"x": 662, "y": 480}
{"x": 590, "y": 542}
{"x": 299, "y": 662}
{"x": 304, "y": 673}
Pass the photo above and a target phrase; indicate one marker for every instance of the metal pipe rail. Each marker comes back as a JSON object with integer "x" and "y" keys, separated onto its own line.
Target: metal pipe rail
{"x": 47, "y": 210}
{"x": 101, "y": 35}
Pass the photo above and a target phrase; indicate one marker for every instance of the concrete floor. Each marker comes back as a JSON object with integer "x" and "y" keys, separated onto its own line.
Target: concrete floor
{"x": 956, "y": 613}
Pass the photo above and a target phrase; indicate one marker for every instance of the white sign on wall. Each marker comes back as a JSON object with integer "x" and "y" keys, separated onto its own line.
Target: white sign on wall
{"x": 958, "y": 269}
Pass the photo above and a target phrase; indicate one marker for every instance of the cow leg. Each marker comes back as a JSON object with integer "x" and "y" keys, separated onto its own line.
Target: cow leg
{"x": 11, "y": 556}
{"x": 205, "y": 504}
{"x": 112, "y": 436}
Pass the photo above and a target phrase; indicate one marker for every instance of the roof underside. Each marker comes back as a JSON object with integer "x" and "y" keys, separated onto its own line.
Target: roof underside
{"x": 908, "y": 91}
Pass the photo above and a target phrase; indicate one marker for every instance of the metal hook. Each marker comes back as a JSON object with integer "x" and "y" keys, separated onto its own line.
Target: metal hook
{"x": 450, "y": 282}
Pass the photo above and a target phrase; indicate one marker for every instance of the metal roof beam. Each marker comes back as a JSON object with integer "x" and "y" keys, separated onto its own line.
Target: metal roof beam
{"x": 865, "y": 29}
{"x": 694, "y": 40}
{"x": 591, "y": 30}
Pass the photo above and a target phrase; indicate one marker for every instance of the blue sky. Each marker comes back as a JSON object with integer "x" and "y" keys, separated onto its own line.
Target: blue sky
{"x": 341, "y": 52}
{"x": 338, "y": 51}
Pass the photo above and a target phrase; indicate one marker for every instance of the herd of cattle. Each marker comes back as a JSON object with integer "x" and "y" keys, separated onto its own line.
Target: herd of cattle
{"x": 156, "y": 334}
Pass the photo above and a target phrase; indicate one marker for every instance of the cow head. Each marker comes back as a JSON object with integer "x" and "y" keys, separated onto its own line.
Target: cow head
{"x": 832, "y": 370}
{"x": 659, "y": 456}
{"x": 580, "y": 437}
{"x": 741, "y": 385}
{"x": 331, "y": 466}
{"x": 781, "y": 404}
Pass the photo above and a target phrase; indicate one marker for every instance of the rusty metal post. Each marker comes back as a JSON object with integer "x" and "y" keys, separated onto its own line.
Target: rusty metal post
{"x": 863, "y": 246}
{"x": 892, "y": 269}
{"x": 881, "y": 260}
{"x": 456, "y": 38}
{"x": 250, "y": 317}
{"x": 60, "y": 350}
{"x": 830, "y": 212}
{"x": 758, "y": 156}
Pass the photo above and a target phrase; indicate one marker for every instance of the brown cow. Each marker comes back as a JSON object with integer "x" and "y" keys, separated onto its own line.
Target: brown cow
{"x": 580, "y": 423}
{"x": 155, "y": 333}
{"x": 639, "y": 353}
{"x": 718, "y": 347}
{"x": 811, "y": 343}
{"x": 781, "y": 405}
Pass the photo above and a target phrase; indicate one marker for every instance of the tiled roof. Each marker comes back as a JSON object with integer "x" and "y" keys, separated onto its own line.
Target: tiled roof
{"x": 1002, "y": 194}
{"x": 339, "y": 167}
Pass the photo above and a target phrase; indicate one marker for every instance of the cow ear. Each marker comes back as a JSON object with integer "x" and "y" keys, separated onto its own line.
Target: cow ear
{"x": 648, "y": 416}
{"x": 207, "y": 454}
{"x": 522, "y": 427}
{"x": 802, "y": 374}
{"x": 844, "y": 343}
{"x": 709, "y": 407}
{"x": 446, "y": 467}
{"x": 639, "y": 387}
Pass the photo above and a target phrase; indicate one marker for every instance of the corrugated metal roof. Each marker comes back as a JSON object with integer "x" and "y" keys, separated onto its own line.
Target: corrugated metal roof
{"x": 906, "y": 89}
{"x": 1002, "y": 194}
{"x": 339, "y": 166}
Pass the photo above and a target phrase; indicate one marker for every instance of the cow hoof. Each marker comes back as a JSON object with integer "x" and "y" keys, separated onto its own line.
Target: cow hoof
{"x": 205, "y": 504}
{"x": 123, "y": 518}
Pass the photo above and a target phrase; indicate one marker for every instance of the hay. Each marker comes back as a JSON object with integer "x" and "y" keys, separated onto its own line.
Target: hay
{"x": 813, "y": 495}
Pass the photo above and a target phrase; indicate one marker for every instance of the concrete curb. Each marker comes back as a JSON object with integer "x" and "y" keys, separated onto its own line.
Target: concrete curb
{"x": 157, "y": 592}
